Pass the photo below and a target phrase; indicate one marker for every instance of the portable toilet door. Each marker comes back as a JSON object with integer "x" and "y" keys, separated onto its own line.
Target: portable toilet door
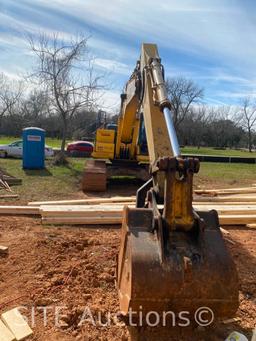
{"x": 33, "y": 148}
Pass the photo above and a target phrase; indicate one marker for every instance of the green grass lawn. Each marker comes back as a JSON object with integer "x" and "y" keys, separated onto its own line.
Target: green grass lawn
{"x": 60, "y": 183}
{"x": 53, "y": 183}
{"x": 225, "y": 174}
{"x": 211, "y": 151}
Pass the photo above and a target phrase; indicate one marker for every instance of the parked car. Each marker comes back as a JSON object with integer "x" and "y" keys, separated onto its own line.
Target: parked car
{"x": 80, "y": 148}
{"x": 14, "y": 149}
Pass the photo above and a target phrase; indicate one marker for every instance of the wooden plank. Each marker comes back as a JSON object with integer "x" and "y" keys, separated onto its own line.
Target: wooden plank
{"x": 85, "y": 214}
{"x": 84, "y": 209}
{"x": 78, "y": 211}
{"x": 16, "y": 210}
{"x": 17, "y": 324}
{"x": 5, "y": 333}
{"x": 237, "y": 219}
{"x": 244, "y": 190}
{"x": 224, "y": 204}
{"x": 251, "y": 226}
{"x": 238, "y": 210}
{"x": 226, "y": 199}
{"x": 117, "y": 219}
{"x": 89, "y": 201}
{"x": 82, "y": 220}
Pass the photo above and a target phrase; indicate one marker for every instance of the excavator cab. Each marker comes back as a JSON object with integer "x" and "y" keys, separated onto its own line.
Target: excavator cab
{"x": 171, "y": 258}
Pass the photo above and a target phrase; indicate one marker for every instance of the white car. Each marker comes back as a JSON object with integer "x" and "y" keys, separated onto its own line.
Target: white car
{"x": 14, "y": 149}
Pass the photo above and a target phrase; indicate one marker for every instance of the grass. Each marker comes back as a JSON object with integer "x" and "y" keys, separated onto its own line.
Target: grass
{"x": 63, "y": 182}
{"x": 54, "y": 182}
{"x": 225, "y": 174}
{"x": 216, "y": 152}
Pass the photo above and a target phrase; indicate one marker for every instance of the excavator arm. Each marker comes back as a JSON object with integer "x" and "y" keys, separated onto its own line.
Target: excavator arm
{"x": 171, "y": 257}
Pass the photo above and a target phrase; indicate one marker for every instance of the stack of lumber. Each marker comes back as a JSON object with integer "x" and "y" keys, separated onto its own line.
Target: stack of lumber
{"x": 102, "y": 214}
{"x": 235, "y": 206}
{"x": 82, "y": 215}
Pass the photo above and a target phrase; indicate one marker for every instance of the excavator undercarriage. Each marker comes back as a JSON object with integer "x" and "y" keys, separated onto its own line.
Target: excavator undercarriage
{"x": 98, "y": 172}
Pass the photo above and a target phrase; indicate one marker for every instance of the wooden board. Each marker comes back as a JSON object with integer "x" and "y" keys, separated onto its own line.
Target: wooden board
{"x": 94, "y": 210}
{"x": 16, "y": 210}
{"x": 230, "y": 219}
{"x": 251, "y": 226}
{"x": 5, "y": 333}
{"x": 17, "y": 324}
{"x": 230, "y": 198}
{"x": 238, "y": 209}
{"x": 84, "y": 211}
{"x": 238, "y": 219}
{"x": 90, "y": 201}
{"x": 244, "y": 190}
{"x": 110, "y": 220}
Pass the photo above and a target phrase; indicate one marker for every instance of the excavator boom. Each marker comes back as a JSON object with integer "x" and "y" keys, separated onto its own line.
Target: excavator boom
{"x": 171, "y": 257}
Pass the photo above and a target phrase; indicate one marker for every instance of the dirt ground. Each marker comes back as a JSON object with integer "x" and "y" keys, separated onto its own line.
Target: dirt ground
{"x": 70, "y": 272}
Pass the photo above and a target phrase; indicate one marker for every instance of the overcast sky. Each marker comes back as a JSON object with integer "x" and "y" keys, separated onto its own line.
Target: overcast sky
{"x": 212, "y": 42}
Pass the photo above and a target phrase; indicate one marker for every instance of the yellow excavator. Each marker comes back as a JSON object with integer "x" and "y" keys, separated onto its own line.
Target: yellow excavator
{"x": 171, "y": 257}
{"x": 120, "y": 149}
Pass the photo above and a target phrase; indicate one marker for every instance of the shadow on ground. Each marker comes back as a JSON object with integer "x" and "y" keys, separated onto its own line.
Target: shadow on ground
{"x": 37, "y": 172}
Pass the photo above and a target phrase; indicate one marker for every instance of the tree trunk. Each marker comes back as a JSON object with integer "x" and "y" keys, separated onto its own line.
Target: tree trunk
{"x": 250, "y": 140}
{"x": 64, "y": 136}
{"x": 60, "y": 159}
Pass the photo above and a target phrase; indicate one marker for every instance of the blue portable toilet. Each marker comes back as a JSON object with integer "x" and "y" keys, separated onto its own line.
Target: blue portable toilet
{"x": 33, "y": 148}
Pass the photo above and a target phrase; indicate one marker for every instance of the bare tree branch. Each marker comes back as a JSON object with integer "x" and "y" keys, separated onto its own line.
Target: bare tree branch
{"x": 56, "y": 70}
{"x": 182, "y": 93}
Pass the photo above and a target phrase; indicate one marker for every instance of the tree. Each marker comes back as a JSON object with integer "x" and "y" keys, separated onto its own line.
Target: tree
{"x": 247, "y": 119}
{"x": 10, "y": 94}
{"x": 182, "y": 94}
{"x": 66, "y": 72}
{"x": 35, "y": 107}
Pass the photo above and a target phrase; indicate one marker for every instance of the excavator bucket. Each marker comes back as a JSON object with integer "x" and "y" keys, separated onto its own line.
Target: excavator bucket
{"x": 174, "y": 270}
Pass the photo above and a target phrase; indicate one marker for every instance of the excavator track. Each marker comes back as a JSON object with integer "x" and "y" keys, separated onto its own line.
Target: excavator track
{"x": 95, "y": 176}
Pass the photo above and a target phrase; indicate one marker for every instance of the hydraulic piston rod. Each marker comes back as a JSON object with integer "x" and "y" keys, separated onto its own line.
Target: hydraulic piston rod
{"x": 171, "y": 132}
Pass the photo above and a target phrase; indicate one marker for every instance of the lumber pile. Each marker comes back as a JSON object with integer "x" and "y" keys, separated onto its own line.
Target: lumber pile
{"x": 82, "y": 215}
{"x": 236, "y": 208}
{"x": 102, "y": 214}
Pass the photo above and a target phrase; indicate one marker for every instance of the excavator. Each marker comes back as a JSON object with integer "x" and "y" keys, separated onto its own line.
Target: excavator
{"x": 171, "y": 257}
{"x": 120, "y": 150}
